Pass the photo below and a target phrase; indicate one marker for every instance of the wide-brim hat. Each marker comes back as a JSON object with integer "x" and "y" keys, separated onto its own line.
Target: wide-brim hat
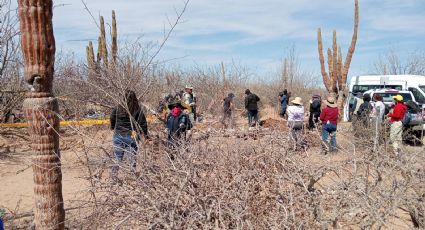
{"x": 398, "y": 97}
{"x": 331, "y": 102}
{"x": 188, "y": 87}
{"x": 174, "y": 103}
{"x": 297, "y": 100}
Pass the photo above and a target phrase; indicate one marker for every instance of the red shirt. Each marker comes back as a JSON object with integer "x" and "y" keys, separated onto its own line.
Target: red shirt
{"x": 398, "y": 112}
{"x": 329, "y": 114}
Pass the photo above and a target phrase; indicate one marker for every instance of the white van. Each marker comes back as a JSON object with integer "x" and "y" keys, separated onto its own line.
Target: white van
{"x": 361, "y": 84}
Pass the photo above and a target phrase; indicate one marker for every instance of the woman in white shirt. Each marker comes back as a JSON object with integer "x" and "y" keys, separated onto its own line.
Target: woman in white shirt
{"x": 378, "y": 108}
{"x": 296, "y": 122}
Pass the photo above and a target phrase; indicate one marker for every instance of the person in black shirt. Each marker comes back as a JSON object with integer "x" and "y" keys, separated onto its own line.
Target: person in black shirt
{"x": 128, "y": 122}
{"x": 315, "y": 110}
{"x": 227, "y": 120}
{"x": 251, "y": 106}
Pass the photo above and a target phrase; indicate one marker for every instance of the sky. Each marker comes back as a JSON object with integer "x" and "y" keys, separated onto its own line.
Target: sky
{"x": 253, "y": 33}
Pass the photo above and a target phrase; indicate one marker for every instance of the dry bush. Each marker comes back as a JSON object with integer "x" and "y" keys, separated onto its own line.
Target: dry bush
{"x": 251, "y": 180}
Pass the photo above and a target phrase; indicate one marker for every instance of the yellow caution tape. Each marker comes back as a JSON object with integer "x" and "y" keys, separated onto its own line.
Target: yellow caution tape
{"x": 71, "y": 123}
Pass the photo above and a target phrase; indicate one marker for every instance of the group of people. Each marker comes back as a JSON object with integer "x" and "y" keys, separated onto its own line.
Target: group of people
{"x": 327, "y": 115}
{"x": 129, "y": 122}
{"x": 294, "y": 112}
{"x": 366, "y": 111}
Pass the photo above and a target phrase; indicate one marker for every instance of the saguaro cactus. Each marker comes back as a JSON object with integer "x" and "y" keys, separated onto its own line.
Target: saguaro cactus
{"x": 41, "y": 109}
{"x": 335, "y": 81}
{"x": 102, "y": 49}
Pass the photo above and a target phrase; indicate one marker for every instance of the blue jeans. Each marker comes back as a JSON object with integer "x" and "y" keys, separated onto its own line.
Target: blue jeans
{"x": 329, "y": 130}
{"x": 282, "y": 111}
{"x": 124, "y": 144}
{"x": 252, "y": 114}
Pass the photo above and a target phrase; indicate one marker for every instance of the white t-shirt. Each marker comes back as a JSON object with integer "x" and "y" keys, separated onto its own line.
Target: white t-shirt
{"x": 381, "y": 106}
{"x": 295, "y": 113}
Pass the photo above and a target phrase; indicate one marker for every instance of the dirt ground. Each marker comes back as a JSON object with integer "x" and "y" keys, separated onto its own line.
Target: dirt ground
{"x": 16, "y": 190}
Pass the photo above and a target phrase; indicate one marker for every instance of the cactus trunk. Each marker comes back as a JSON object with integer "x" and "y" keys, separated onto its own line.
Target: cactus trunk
{"x": 335, "y": 81}
{"x": 41, "y": 109}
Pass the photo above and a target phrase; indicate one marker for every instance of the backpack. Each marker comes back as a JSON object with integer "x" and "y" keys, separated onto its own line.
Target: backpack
{"x": 315, "y": 106}
{"x": 407, "y": 119}
{"x": 173, "y": 123}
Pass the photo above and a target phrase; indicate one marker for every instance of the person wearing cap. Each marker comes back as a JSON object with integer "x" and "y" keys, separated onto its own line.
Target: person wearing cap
{"x": 296, "y": 122}
{"x": 178, "y": 123}
{"x": 251, "y": 105}
{"x": 315, "y": 109}
{"x": 189, "y": 102}
{"x": 396, "y": 117}
{"x": 228, "y": 107}
{"x": 329, "y": 119}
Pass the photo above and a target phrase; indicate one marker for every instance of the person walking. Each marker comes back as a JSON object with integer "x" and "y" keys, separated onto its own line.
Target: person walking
{"x": 228, "y": 107}
{"x": 178, "y": 122}
{"x": 315, "y": 109}
{"x": 396, "y": 128}
{"x": 283, "y": 102}
{"x": 329, "y": 119}
{"x": 128, "y": 122}
{"x": 296, "y": 123}
{"x": 189, "y": 103}
{"x": 251, "y": 105}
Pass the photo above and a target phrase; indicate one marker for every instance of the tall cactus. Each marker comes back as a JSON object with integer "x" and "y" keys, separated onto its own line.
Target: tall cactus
{"x": 102, "y": 49}
{"x": 335, "y": 81}
{"x": 114, "y": 46}
{"x": 41, "y": 109}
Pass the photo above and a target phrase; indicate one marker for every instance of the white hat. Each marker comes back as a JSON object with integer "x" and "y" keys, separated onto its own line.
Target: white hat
{"x": 188, "y": 87}
{"x": 298, "y": 101}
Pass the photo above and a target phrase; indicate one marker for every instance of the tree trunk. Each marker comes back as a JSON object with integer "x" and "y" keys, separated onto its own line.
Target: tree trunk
{"x": 41, "y": 110}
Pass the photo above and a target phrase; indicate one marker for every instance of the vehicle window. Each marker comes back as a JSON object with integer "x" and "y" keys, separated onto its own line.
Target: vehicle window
{"x": 388, "y": 97}
{"x": 364, "y": 88}
{"x": 418, "y": 95}
{"x": 422, "y": 87}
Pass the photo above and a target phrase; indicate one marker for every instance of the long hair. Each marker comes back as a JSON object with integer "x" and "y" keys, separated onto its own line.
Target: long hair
{"x": 131, "y": 101}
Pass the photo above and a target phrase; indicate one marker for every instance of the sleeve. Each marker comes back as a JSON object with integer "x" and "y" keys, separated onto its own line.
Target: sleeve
{"x": 141, "y": 120}
{"x": 257, "y": 98}
{"x": 397, "y": 113}
{"x": 246, "y": 102}
{"x": 113, "y": 118}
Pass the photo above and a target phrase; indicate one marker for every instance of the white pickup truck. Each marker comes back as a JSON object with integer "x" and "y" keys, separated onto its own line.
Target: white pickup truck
{"x": 417, "y": 122}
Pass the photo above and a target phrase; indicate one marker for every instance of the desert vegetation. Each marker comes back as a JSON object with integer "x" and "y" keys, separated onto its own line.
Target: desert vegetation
{"x": 221, "y": 178}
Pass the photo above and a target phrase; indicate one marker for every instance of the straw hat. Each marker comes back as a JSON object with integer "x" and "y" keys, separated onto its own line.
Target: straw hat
{"x": 298, "y": 101}
{"x": 398, "y": 97}
{"x": 330, "y": 101}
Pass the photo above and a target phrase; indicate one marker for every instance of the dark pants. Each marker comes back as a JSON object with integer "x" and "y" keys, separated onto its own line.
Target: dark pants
{"x": 313, "y": 119}
{"x": 282, "y": 111}
{"x": 296, "y": 137}
{"x": 124, "y": 144}
{"x": 252, "y": 114}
